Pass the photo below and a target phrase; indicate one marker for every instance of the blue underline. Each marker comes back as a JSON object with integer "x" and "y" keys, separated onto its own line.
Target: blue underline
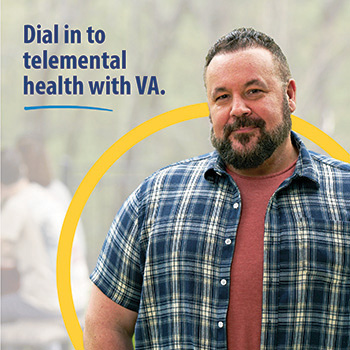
{"x": 28, "y": 108}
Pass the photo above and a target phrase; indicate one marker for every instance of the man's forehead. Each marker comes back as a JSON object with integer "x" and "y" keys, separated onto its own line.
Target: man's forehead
{"x": 253, "y": 61}
{"x": 252, "y": 55}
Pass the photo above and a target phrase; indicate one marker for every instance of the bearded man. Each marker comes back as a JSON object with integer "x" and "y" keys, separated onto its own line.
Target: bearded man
{"x": 247, "y": 247}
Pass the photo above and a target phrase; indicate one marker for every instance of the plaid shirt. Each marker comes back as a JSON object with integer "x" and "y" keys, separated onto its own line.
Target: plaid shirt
{"x": 171, "y": 245}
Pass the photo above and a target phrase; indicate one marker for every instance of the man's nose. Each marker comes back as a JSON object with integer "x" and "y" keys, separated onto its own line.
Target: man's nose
{"x": 239, "y": 107}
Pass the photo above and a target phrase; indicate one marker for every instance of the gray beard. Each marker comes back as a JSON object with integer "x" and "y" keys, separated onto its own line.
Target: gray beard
{"x": 268, "y": 141}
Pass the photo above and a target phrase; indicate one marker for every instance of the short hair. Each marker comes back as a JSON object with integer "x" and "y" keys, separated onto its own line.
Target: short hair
{"x": 244, "y": 38}
{"x": 11, "y": 167}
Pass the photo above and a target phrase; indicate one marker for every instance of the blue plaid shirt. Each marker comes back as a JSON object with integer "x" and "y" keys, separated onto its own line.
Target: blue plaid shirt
{"x": 172, "y": 244}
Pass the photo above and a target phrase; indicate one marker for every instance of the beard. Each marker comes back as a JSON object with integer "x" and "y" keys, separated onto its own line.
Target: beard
{"x": 267, "y": 143}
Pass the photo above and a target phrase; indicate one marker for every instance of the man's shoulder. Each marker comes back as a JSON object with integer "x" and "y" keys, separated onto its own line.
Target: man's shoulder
{"x": 186, "y": 166}
{"x": 338, "y": 167}
{"x": 181, "y": 173}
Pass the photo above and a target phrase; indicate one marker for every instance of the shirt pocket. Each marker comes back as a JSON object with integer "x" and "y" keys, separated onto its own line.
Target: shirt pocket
{"x": 314, "y": 286}
{"x": 324, "y": 250}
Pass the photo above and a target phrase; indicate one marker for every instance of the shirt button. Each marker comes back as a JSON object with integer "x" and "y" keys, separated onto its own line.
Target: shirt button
{"x": 235, "y": 206}
{"x": 220, "y": 324}
{"x": 223, "y": 282}
{"x": 228, "y": 241}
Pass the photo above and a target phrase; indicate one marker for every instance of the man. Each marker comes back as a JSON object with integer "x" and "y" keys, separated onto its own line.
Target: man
{"x": 247, "y": 247}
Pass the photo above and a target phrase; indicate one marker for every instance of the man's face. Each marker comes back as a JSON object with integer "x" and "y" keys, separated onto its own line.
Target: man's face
{"x": 249, "y": 106}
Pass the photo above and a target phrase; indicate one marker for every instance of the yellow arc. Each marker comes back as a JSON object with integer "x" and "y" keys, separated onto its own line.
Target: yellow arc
{"x": 107, "y": 159}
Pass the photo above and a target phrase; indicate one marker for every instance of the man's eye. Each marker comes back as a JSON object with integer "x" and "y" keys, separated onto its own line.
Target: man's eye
{"x": 254, "y": 91}
{"x": 221, "y": 97}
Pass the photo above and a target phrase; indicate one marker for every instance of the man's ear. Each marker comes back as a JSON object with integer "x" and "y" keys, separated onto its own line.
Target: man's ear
{"x": 291, "y": 95}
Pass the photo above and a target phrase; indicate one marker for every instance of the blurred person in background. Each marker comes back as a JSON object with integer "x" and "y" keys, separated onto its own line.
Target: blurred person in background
{"x": 39, "y": 170}
{"x": 30, "y": 228}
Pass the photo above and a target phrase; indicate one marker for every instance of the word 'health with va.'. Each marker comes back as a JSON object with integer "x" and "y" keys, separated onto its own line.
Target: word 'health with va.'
{"x": 145, "y": 85}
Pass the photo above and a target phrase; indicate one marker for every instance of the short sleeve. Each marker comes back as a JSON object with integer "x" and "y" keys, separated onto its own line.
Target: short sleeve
{"x": 117, "y": 272}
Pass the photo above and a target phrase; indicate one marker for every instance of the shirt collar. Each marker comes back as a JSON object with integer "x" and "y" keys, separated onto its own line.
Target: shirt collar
{"x": 305, "y": 166}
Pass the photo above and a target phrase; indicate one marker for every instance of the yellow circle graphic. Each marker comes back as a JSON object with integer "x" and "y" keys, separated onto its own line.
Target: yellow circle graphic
{"x": 107, "y": 159}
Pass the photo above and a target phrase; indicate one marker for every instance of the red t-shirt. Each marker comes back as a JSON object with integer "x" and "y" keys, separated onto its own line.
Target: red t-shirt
{"x": 244, "y": 311}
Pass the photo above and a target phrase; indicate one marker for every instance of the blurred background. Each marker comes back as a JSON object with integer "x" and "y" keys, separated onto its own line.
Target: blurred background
{"x": 168, "y": 40}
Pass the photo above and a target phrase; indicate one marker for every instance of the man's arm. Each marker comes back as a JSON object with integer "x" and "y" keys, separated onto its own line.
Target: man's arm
{"x": 107, "y": 324}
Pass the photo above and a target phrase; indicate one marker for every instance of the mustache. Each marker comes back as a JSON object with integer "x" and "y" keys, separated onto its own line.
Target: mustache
{"x": 243, "y": 122}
